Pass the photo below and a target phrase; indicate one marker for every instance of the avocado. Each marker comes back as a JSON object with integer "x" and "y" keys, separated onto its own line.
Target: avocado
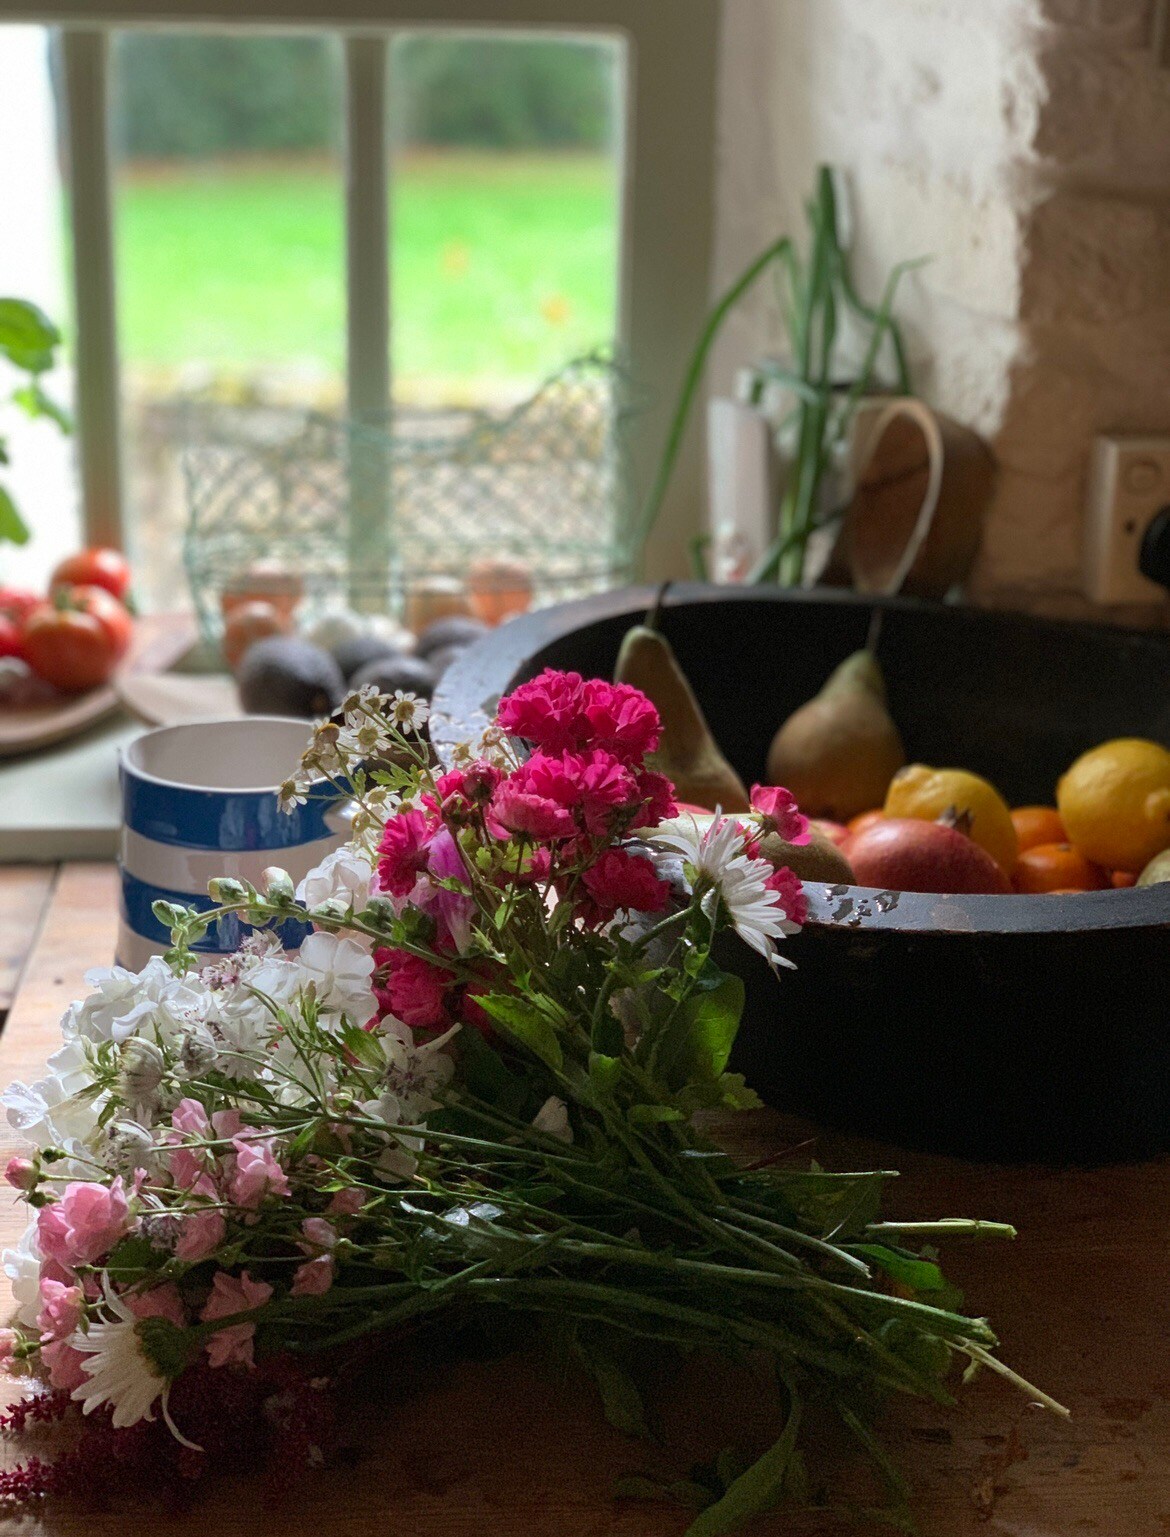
{"x": 454, "y": 630}
{"x": 390, "y": 673}
{"x": 359, "y": 651}
{"x": 284, "y": 675}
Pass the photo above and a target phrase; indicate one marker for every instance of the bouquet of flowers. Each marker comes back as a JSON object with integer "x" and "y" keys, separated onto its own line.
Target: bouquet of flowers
{"x": 472, "y": 1094}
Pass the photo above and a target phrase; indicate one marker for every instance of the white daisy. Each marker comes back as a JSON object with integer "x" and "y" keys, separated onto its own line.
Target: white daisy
{"x": 120, "y": 1372}
{"x": 714, "y": 861}
{"x": 407, "y": 711}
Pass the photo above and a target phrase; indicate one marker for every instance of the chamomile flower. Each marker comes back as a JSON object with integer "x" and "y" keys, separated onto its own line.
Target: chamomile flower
{"x": 714, "y": 863}
{"x": 407, "y": 711}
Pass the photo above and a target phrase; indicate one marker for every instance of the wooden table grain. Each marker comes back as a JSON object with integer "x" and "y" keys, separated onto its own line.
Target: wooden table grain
{"x": 1081, "y": 1302}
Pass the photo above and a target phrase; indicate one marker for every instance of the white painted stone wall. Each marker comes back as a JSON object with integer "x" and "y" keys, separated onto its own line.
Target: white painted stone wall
{"x": 41, "y": 477}
{"x": 1024, "y": 146}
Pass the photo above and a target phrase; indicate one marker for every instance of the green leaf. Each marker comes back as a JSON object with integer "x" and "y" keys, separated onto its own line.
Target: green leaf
{"x": 608, "y": 1038}
{"x": 486, "y": 1075}
{"x": 619, "y": 1393}
{"x": 12, "y": 526}
{"x": 27, "y": 335}
{"x": 756, "y": 1490}
{"x": 522, "y": 1020}
{"x": 920, "y": 1275}
{"x": 652, "y": 1115}
{"x": 33, "y": 401}
{"x": 604, "y": 1072}
{"x": 697, "y": 1042}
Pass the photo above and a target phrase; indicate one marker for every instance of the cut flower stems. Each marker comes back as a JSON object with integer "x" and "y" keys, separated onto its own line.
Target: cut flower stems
{"x": 469, "y": 1100}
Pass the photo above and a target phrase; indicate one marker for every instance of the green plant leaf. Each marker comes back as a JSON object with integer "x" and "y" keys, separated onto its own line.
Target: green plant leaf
{"x": 697, "y": 1042}
{"x": 523, "y": 1021}
{"x": 12, "y": 526}
{"x": 920, "y": 1275}
{"x": 620, "y": 1397}
{"x": 34, "y": 402}
{"x": 756, "y": 1490}
{"x": 27, "y": 335}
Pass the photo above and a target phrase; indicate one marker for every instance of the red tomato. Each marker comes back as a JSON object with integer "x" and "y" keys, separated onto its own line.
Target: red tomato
{"x": 97, "y": 567}
{"x": 69, "y": 646}
{"x": 108, "y": 612}
{"x": 10, "y": 642}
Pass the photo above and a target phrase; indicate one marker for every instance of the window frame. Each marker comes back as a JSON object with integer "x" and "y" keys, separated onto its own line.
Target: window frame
{"x": 666, "y": 214}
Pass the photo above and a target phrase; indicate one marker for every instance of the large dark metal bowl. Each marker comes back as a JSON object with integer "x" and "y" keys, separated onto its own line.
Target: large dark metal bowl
{"x": 1013, "y": 1027}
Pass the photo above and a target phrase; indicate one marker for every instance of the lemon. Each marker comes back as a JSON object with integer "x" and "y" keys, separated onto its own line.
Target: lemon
{"x": 926, "y": 794}
{"x": 1115, "y": 803}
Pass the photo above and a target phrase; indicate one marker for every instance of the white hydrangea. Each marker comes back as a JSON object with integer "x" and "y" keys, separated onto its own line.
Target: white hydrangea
{"x": 123, "y": 1002}
{"x": 339, "y": 971}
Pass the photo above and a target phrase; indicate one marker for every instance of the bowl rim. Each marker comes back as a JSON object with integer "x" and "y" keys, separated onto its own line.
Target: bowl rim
{"x": 467, "y": 694}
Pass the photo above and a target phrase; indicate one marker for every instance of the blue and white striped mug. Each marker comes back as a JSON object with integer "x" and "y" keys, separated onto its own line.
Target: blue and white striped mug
{"x": 199, "y": 801}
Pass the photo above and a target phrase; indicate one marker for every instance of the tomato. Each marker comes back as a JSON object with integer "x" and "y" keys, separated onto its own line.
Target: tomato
{"x": 69, "y": 647}
{"x": 16, "y": 604}
{"x": 10, "y": 641}
{"x": 108, "y": 612}
{"x": 97, "y": 567}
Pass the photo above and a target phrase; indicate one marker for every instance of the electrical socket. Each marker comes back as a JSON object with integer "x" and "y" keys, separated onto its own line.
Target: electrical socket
{"x": 1129, "y": 484}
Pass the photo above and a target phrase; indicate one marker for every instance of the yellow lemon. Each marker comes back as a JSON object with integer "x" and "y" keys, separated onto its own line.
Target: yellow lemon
{"x": 926, "y": 794}
{"x": 1115, "y": 803}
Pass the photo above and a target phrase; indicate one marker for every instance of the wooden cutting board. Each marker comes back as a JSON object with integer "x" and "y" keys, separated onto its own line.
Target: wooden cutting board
{"x": 159, "y": 641}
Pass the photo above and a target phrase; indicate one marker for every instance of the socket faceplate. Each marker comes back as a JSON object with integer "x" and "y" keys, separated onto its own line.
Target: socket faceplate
{"x": 1129, "y": 484}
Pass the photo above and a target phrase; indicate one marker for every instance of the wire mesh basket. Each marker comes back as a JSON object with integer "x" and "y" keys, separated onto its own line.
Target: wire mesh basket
{"x": 362, "y": 514}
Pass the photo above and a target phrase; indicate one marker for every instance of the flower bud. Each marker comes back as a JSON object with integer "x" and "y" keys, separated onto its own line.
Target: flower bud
{"x": 143, "y": 1066}
{"x": 22, "y": 1174}
{"x": 278, "y": 886}
{"x": 225, "y": 892}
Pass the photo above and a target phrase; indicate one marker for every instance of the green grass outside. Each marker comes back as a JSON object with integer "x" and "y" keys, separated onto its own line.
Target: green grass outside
{"x": 503, "y": 267}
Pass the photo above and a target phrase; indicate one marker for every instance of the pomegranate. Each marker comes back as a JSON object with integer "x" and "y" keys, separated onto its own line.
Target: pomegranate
{"x": 900, "y": 854}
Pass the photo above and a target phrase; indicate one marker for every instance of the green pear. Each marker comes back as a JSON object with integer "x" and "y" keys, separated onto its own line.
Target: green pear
{"x": 839, "y": 752}
{"x": 688, "y": 753}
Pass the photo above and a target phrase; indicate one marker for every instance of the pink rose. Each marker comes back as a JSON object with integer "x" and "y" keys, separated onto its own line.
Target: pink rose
{"x": 346, "y": 1203}
{"x": 415, "y": 991}
{"x": 622, "y": 720}
{"x": 191, "y": 1119}
{"x": 230, "y": 1295}
{"x": 21, "y": 1174}
{"x": 402, "y": 856}
{"x": 623, "y": 881}
{"x": 314, "y": 1277}
{"x": 779, "y": 813}
{"x": 203, "y": 1228}
{"x": 61, "y": 1310}
{"x": 656, "y": 797}
{"x": 85, "y": 1223}
{"x": 789, "y": 894}
{"x": 548, "y": 711}
{"x": 257, "y": 1172}
{"x": 159, "y": 1302}
{"x": 7, "y": 1345}
{"x": 319, "y": 1233}
{"x": 65, "y": 1365}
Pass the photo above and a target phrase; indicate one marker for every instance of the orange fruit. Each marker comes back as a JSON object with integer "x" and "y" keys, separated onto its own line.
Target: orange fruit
{"x": 1122, "y": 880}
{"x": 865, "y": 819}
{"x": 1057, "y": 867}
{"x": 1038, "y": 824}
{"x": 1115, "y": 803}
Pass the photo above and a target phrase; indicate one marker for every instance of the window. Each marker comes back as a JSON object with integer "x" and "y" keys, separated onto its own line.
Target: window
{"x": 368, "y": 269}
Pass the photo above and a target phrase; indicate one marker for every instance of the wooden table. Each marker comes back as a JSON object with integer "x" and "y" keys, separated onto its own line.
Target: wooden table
{"x": 512, "y": 1449}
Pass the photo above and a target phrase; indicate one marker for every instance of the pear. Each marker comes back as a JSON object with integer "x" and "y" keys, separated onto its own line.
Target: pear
{"x": 839, "y": 752}
{"x": 687, "y": 753}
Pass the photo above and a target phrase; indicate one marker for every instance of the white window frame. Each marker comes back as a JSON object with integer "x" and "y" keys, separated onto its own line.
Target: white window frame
{"x": 666, "y": 212}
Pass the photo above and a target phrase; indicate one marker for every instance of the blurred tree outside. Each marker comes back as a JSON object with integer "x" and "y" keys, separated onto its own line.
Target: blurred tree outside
{"x": 187, "y": 95}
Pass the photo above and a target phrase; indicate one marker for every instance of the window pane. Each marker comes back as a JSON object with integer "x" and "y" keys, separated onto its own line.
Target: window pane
{"x": 505, "y": 210}
{"x": 230, "y": 253}
{"x": 41, "y": 477}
